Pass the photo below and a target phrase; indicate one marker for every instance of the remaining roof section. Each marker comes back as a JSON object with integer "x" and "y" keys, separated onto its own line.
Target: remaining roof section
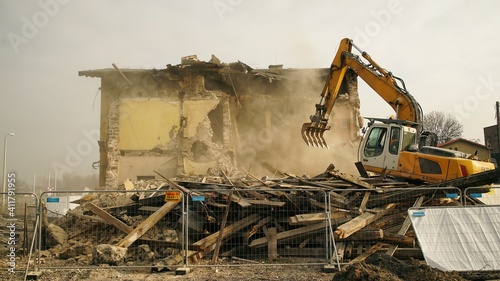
{"x": 274, "y": 72}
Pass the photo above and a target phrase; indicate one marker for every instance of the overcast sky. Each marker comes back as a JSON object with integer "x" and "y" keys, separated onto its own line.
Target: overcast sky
{"x": 448, "y": 53}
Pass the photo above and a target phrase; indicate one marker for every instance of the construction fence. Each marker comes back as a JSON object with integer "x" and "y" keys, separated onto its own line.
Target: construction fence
{"x": 18, "y": 217}
{"x": 168, "y": 229}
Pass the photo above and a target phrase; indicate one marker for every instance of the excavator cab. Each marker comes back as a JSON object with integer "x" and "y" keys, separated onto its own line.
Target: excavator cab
{"x": 383, "y": 142}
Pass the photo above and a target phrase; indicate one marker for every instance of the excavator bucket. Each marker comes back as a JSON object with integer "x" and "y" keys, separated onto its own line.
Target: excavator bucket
{"x": 313, "y": 135}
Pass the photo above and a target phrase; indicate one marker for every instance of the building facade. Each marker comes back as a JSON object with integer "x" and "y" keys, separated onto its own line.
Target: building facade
{"x": 205, "y": 117}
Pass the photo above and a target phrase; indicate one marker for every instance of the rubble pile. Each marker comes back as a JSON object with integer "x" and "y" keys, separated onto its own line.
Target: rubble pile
{"x": 243, "y": 217}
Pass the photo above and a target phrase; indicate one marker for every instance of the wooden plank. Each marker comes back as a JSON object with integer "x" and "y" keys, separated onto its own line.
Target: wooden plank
{"x": 166, "y": 244}
{"x": 304, "y": 243}
{"x": 351, "y": 179}
{"x": 256, "y": 227}
{"x": 235, "y": 198}
{"x": 266, "y": 203}
{"x": 398, "y": 240}
{"x": 92, "y": 218}
{"x": 207, "y": 244}
{"x": 272, "y": 245}
{"x": 175, "y": 185}
{"x": 221, "y": 231}
{"x": 107, "y": 217}
{"x": 404, "y": 228}
{"x": 367, "y": 253}
{"x": 366, "y": 234}
{"x": 361, "y": 170}
{"x": 341, "y": 250}
{"x": 149, "y": 209}
{"x": 144, "y": 226}
{"x": 362, "y": 206}
{"x": 211, "y": 239}
{"x": 360, "y": 221}
{"x": 294, "y": 233}
{"x": 307, "y": 219}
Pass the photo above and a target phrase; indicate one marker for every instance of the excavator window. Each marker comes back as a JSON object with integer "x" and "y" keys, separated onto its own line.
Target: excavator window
{"x": 394, "y": 141}
{"x": 408, "y": 140}
{"x": 375, "y": 142}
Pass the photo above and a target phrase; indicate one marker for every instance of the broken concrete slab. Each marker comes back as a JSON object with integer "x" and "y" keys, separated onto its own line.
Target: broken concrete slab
{"x": 108, "y": 254}
{"x": 55, "y": 235}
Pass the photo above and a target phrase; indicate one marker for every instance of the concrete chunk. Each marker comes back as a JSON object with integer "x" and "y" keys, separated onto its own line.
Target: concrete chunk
{"x": 108, "y": 254}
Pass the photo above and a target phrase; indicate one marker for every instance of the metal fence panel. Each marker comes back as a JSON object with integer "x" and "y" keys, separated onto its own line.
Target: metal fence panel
{"x": 488, "y": 195}
{"x": 123, "y": 228}
{"x": 249, "y": 227}
{"x": 366, "y": 221}
{"x": 169, "y": 229}
{"x": 17, "y": 234}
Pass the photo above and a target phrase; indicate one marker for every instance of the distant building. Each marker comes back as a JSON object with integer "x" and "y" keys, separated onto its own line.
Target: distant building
{"x": 491, "y": 138}
{"x": 467, "y": 146}
{"x": 491, "y": 141}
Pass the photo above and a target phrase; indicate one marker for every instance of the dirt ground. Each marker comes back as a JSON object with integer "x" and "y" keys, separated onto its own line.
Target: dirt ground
{"x": 376, "y": 267}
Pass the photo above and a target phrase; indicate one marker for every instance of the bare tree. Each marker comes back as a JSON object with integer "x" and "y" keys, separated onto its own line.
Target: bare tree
{"x": 446, "y": 126}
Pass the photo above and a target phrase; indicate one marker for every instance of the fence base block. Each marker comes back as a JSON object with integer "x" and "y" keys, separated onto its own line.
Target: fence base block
{"x": 182, "y": 271}
{"x": 33, "y": 275}
{"x": 330, "y": 268}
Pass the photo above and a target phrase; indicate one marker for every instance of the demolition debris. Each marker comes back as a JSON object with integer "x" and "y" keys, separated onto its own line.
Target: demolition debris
{"x": 244, "y": 218}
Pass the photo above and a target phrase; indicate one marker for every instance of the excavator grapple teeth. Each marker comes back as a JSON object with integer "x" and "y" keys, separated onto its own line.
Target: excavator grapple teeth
{"x": 313, "y": 136}
{"x": 305, "y": 133}
{"x": 324, "y": 144}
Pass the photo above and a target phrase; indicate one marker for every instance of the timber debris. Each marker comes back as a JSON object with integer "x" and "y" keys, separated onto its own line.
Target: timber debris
{"x": 246, "y": 218}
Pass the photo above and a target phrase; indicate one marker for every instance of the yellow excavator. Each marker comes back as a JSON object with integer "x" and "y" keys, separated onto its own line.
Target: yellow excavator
{"x": 395, "y": 146}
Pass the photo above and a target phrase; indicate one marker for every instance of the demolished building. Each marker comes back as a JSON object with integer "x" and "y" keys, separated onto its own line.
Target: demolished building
{"x": 199, "y": 117}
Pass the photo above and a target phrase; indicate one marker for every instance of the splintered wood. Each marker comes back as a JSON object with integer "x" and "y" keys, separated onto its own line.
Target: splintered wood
{"x": 247, "y": 218}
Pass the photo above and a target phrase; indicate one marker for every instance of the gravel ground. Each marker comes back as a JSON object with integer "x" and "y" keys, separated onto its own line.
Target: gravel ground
{"x": 376, "y": 267}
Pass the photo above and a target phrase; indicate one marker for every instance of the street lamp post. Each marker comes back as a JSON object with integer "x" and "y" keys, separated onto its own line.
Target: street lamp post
{"x": 5, "y": 166}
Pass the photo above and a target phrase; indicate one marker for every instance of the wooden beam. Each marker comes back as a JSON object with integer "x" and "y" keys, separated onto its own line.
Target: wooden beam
{"x": 297, "y": 232}
{"x": 91, "y": 218}
{"x": 272, "y": 245}
{"x": 207, "y": 244}
{"x": 144, "y": 226}
{"x": 362, "y": 207}
{"x": 221, "y": 231}
{"x": 367, "y": 253}
{"x": 208, "y": 241}
{"x": 404, "y": 228}
{"x": 108, "y": 218}
{"x": 181, "y": 188}
{"x": 351, "y": 179}
{"x": 256, "y": 227}
{"x": 361, "y": 221}
{"x": 266, "y": 203}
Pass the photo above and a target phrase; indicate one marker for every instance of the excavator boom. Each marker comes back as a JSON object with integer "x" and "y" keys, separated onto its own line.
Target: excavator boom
{"x": 380, "y": 80}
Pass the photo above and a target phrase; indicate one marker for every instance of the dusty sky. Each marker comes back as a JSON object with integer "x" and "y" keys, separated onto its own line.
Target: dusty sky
{"x": 448, "y": 53}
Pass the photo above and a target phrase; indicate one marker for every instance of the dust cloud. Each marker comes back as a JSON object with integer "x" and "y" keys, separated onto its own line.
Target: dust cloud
{"x": 268, "y": 127}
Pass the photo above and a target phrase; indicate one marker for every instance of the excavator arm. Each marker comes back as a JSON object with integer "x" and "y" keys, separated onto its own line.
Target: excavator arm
{"x": 380, "y": 80}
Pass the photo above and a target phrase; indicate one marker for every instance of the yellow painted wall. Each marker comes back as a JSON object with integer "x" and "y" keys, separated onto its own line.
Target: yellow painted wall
{"x": 145, "y": 124}
{"x": 133, "y": 166}
{"x": 196, "y": 111}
